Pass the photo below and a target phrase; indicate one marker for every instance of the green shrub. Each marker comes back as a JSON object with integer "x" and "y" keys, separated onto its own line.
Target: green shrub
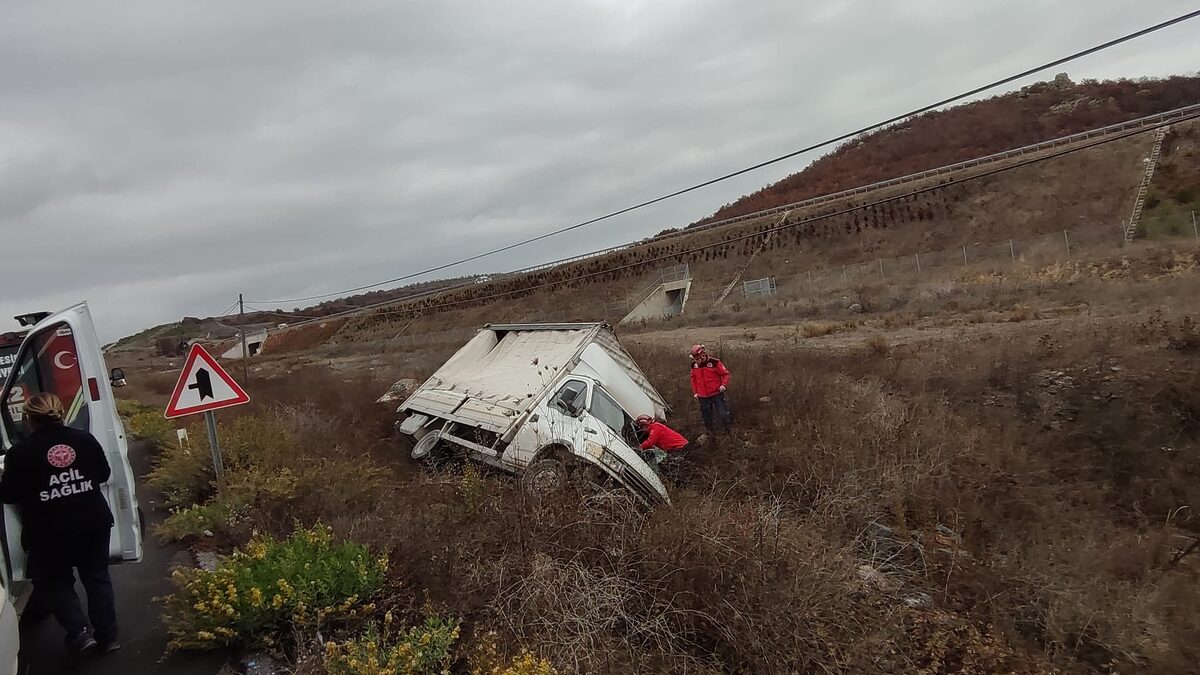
{"x": 195, "y": 520}
{"x": 128, "y": 408}
{"x": 152, "y": 427}
{"x": 524, "y": 663}
{"x": 422, "y": 650}
{"x": 185, "y": 475}
{"x": 267, "y": 588}
{"x": 486, "y": 659}
{"x": 269, "y": 477}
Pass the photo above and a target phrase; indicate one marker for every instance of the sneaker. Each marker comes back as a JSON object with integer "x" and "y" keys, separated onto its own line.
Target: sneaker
{"x": 109, "y": 647}
{"x": 81, "y": 644}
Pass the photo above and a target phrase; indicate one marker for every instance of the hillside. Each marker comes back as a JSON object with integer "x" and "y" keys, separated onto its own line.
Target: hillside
{"x": 1035, "y": 113}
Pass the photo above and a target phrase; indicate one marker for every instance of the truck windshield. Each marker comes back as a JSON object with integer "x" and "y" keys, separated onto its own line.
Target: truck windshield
{"x": 605, "y": 409}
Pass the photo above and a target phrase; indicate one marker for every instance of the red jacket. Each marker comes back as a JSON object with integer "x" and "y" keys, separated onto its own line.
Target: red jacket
{"x": 708, "y": 377}
{"x": 664, "y": 437}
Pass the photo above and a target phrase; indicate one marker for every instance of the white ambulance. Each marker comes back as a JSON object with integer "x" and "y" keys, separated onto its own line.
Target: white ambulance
{"x": 61, "y": 354}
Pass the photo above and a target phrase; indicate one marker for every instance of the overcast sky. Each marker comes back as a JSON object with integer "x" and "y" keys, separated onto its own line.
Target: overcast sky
{"x": 156, "y": 158}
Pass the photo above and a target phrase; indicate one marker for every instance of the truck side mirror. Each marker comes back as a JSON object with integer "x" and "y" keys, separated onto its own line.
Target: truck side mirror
{"x": 117, "y": 377}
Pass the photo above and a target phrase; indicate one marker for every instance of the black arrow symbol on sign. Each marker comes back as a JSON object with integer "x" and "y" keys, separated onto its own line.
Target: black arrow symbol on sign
{"x": 203, "y": 384}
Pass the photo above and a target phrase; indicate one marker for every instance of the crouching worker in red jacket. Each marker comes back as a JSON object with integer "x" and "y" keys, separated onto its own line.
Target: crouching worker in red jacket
{"x": 661, "y": 440}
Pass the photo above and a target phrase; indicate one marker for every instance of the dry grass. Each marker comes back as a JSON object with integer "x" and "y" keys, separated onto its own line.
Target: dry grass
{"x": 947, "y": 509}
{"x": 304, "y": 337}
{"x": 811, "y": 329}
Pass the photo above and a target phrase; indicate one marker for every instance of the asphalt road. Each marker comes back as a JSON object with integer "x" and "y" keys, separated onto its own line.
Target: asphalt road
{"x": 143, "y": 636}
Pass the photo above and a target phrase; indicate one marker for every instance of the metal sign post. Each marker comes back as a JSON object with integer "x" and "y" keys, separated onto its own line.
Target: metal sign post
{"x": 210, "y": 421}
{"x": 205, "y": 387}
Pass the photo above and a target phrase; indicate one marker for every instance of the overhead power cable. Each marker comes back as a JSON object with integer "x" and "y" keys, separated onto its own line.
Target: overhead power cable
{"x": 775, "y": 160}
{"x": 226, "y": 311}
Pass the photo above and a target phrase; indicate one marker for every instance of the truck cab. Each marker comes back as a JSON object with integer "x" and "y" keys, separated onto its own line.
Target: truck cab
{"x": 584, "y": 418}
{"x": 61, "y": 354}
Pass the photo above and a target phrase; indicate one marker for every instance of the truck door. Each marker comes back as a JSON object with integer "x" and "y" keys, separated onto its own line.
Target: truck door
{"x": 62, "y": 355}
{"x": 619, "y": 440}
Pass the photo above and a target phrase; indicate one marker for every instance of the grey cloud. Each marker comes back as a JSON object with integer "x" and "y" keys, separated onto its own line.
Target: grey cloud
{"x": 158, "y": 159}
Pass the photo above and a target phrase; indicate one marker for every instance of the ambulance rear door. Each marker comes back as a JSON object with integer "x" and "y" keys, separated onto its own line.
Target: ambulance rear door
{"x": 62, "y": 355}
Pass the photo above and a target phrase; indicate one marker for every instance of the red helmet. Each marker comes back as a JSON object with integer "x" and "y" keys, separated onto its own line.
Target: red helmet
{"x": 697, "y": 350}
{"x": 644, "y": 420}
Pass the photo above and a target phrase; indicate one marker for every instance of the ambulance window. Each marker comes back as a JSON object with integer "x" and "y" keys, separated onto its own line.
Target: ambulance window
{"x": 48, "y": 362}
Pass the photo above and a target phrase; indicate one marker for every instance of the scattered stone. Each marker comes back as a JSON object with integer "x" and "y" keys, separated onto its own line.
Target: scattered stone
{"x": 855, "y": 307}
{"x": 261, "y": 664}
{"x": 207, "y": 560}
{"x": 399, "y": 391}
{"x": 918, "y": 600}
{"x": 874, "y": 579}
{"x": 765, "y": 400}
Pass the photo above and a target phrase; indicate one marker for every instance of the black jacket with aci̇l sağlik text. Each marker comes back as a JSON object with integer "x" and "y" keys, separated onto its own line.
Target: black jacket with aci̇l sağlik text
{"x": 54, "y": 476}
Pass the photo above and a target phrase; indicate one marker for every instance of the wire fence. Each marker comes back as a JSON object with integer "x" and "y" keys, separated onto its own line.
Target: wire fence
{"x": 977, "y": 258}
{"x": 458, "y": 335}
{"x": 1050, "y": 144}
{"x": 759, "y": 287}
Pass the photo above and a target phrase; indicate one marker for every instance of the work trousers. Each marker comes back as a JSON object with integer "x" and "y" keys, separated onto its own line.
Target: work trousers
{"x": 52, "y": 569}
{"x": 713, "y": 408}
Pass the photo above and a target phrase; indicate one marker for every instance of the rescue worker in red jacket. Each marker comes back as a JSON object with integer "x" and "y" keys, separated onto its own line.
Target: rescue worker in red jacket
{"x": 660, "y": 441}
{"x": 710, "y": 377}
{"x": 54, "y": 476}
{"x": 659, "y": 435}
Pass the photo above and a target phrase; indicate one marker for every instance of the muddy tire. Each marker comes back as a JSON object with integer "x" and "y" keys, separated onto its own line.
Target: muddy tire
{"x": 544, "y": 477}
{"x": 426, "y": 448}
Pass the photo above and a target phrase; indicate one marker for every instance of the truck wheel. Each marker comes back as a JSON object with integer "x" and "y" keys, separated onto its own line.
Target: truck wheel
{"x": 424, "y": 449}
{"x": 544, "y": 476}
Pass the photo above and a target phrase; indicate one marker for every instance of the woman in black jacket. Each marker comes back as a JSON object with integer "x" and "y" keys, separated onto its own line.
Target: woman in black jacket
{"x": 54, "y": 476}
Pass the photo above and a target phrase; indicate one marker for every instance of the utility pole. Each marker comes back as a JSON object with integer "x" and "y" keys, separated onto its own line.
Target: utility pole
{"x": 245, "y": 352}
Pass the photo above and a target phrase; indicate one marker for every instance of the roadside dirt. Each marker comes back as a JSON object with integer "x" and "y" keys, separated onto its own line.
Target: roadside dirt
{"x": 854, "y": 336}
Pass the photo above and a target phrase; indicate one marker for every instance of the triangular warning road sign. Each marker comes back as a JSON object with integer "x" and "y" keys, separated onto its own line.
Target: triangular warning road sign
{"x": 203, "y": 386}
